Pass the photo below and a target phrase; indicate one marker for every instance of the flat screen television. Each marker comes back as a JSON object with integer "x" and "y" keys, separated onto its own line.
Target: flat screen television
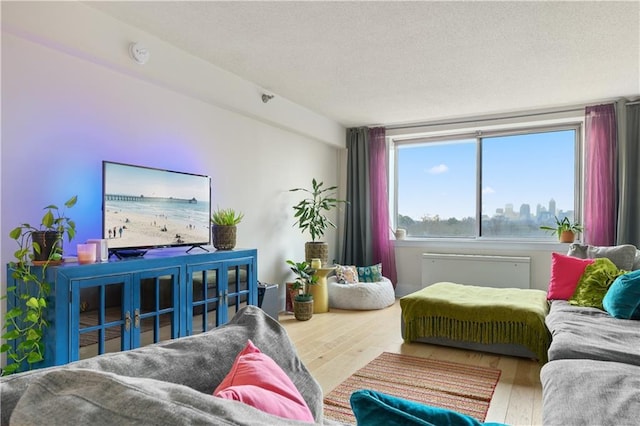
{"x": 145, "y": 207}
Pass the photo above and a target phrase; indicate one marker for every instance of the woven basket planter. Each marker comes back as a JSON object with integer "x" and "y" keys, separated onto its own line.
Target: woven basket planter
{"x": 303, "y": 311}
{"x": 224, "y": 237}
{"x": 317, "y": 250}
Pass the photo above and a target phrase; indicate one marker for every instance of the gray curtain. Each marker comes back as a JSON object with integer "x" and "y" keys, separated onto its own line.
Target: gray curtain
{"x": 628, "y": 231}
{"x": 357, "y": 236}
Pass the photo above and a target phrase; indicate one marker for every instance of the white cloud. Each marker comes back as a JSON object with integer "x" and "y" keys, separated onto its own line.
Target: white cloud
{"x": 488, "y": 190}
{"x": 439, "y": 169}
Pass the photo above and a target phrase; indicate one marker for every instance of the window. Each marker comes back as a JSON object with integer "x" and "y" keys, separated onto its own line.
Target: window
{"x": 494, "y": 185}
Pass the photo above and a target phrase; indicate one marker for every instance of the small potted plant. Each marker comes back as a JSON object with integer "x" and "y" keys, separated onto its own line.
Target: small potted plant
{"x": 303, "y": 301}
{"x": 224, "y": 228}
{"x": 310, "y": 214}
{"x": 565, "y": 229}
{"x": 25, "y": 321}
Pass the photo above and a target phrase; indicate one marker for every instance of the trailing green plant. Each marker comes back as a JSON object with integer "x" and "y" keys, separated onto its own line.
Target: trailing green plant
{"x": 305, "y": 277}
{"x": 24, "y": 321}
{"x": 226, "y": 217}
{"x": 563, "y": 225}
{"x": 311, "y": 212}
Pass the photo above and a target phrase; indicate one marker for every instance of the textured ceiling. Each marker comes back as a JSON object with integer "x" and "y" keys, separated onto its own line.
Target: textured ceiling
{"x": 364, "y": 63}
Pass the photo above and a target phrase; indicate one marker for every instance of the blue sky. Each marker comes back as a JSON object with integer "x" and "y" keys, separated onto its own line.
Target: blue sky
{"x": 128, "y": 180}
{"x": 517, "y": 169}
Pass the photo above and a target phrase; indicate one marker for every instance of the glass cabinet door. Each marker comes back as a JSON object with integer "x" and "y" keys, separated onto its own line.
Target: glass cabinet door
{"x": 100, "y": 319}
{"x": 205, "y": 298}
{"x": 156, "y": 307}
{"x": 237, "y": 292}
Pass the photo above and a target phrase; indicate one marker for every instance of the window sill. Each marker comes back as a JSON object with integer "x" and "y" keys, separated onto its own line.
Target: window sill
{"x": 482, "y": 244}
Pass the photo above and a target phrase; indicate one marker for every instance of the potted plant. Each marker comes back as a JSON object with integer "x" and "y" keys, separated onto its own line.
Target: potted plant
{"x": 303, "y": 301}
{"x": 25, "y": 321}
{"x": 310, "y": 214}
{"x": 224, "y": 228}
{"x": 565, "y": 229}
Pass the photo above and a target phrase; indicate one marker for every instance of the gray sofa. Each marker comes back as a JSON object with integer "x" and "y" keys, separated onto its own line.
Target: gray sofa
{"x": 169, "y": 383}
{"x": 593, "y": 373}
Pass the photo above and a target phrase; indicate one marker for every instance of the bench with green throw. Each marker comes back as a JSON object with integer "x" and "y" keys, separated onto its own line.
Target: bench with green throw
{"x": 482, "y": 315}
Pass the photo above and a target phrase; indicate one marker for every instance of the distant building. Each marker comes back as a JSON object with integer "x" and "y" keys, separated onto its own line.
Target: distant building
{"x": 552, "y": 207}
{"x": 508, "y": 211}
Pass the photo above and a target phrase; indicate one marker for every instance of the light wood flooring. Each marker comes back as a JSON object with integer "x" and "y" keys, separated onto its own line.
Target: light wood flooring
{"x": 335, "y": 344}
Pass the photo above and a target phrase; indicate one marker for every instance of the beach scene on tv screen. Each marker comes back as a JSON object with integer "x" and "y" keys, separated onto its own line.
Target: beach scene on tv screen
{"x": 149, "y": 207}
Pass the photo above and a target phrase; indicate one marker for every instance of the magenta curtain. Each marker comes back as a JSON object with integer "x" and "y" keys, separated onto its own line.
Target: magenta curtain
{"x": 382, "y": 245}
{"x": 600, "y": 211}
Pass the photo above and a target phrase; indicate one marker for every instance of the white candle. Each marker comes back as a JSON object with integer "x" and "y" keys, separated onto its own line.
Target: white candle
{"x": 316, "y": 263}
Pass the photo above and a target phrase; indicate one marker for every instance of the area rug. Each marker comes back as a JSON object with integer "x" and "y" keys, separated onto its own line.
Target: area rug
{"x": 463, "y": 388}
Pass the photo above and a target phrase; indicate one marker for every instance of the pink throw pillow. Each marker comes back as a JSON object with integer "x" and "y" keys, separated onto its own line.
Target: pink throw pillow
{"x": 565, "y": 274}
{"x": 257, "y": 380}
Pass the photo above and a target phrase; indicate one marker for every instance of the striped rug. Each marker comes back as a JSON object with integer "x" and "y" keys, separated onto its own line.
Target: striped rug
{"x": 463, "y": 388}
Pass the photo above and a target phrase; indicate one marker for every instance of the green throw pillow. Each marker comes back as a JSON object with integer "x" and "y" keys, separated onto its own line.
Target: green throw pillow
{"x": 370, "y": 274}
{"x": 373, "y": 408}
{"x": 594, "y": 283}
{"x": 623, "y": 297}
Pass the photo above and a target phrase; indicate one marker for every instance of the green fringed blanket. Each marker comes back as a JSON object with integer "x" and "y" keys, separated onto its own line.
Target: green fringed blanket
{"x": 478, "y": 314}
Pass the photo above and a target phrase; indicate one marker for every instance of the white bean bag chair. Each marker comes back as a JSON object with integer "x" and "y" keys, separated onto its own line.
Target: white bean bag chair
{"x": 360, "y": 296}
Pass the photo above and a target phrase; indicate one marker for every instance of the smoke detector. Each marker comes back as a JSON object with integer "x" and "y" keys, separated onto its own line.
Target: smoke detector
{"x": 139, "y": 53}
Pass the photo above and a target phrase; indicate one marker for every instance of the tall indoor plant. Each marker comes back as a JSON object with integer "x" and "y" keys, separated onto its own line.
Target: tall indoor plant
{"x": 224, "y": 228}
{"x": 25, "y": 320}
{"x": 310, "y": 214}
{"x": 303, "y": 301}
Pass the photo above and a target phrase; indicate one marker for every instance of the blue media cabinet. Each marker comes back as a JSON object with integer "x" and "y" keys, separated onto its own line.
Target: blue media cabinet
{"x": 124, "y": 304}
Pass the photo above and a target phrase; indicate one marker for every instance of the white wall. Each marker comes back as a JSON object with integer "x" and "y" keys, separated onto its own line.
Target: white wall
{"x": 71, "y": 97}
{"x": 409, "y": 258}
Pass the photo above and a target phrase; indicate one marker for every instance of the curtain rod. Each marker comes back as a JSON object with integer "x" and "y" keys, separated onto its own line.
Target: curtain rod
{"x": 480, "y": 119}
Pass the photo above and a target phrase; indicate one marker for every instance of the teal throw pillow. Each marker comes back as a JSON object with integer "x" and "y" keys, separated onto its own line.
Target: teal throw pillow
{"x": 373, "y": 408}
{"x": 594, "y": 283}
{"x": 623, "y": 298}
{"x": 370, "y": 274}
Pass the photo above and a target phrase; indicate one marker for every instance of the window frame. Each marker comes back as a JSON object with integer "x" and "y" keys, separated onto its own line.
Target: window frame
{"x": 394, "y": 142}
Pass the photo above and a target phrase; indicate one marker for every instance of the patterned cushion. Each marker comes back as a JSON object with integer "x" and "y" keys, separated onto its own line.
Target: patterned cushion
{"x": 347, "y": 274}
{"x": 370, "y": 274}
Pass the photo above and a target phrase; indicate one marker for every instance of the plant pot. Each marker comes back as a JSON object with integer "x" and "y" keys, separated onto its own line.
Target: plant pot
{"x": 48, "y": 241}
{"x": 317, "y": 250}
{"x": 224, "y": 237}
{"x": 567, "y": 237}
{"x": 303, "y": 308}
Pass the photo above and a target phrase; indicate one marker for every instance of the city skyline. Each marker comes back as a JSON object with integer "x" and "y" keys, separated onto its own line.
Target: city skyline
{"x": 523, "y": 212}
{"x": 440, "y": 178}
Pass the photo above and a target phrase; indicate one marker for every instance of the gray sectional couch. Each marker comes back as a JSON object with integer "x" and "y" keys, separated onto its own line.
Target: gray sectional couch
{"x": 593, "y": 373}
{"x": 169, "y": 383}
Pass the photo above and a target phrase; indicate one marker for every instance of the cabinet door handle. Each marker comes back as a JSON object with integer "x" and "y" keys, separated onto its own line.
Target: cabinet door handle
{"x": 226, "y": 297}
{"x": 136, "y": 318}
{"x": 127, "y": 321}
